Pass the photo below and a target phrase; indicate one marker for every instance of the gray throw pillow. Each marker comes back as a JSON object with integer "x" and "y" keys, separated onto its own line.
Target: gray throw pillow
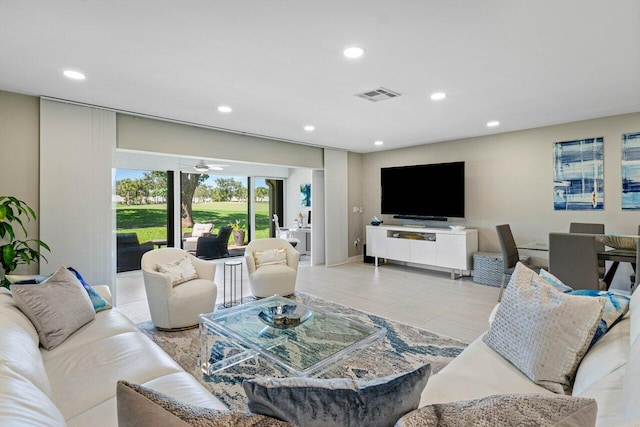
{"x": 141, "y": 406}
{"x": 505, "y": 411}
{"x": 340, "y": 402}
{"x": 543, "y": 332}
{"x": 57, "y": 307}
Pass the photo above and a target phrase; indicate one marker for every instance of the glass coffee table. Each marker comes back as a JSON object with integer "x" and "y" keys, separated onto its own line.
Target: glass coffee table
{"x": 305, "y": 341}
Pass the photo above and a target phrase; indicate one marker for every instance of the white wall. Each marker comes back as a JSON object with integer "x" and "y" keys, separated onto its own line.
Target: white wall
{"x": 292, "y": 197}
{"x": 77, "y": 146}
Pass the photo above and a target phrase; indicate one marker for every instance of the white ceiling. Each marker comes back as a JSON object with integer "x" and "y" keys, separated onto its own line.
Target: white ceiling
{"x": 279, "y": 63}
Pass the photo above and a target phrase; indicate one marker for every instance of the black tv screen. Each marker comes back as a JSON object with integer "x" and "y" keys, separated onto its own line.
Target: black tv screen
{"x": 431, "y": 191}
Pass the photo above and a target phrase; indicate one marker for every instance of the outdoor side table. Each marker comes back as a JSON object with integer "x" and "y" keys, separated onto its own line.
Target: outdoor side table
{"x": 232, "y": 271}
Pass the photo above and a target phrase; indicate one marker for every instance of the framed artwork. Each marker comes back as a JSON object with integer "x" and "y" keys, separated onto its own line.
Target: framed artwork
{"x": 578, "y": 177}
{"x": 631, "y": 171}
{"x": 305, "y": 195}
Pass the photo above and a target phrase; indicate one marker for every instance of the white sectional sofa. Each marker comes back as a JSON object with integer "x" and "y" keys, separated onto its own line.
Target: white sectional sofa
{"x": 609, "y": 372}
{"x": 75, "y": 383}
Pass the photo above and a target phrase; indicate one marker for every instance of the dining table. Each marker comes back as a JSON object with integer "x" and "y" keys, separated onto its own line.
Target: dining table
{"x": 616, "y": 256}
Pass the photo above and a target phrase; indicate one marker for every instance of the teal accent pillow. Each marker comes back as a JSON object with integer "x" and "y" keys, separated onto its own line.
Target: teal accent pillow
{"x": 98, "y": 302}
{"x": 339, "y": 402}
{"x": 554, "y": 281}
{"x": 615, "y": 305}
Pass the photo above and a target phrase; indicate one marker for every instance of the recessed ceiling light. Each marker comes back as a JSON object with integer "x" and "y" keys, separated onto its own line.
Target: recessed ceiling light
{"x": 75, "y": 75}
{"x": 224, "y": 109}
{"x": 493, "y": 124}
{"x": 378, "y": 142}
{"x": 353, "y": 52}
{"x": 309, "y": 128}
{"x": 438, "y": 96}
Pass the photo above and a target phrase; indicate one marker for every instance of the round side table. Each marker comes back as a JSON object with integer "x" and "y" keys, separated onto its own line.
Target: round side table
{"x": 232, "y": 270}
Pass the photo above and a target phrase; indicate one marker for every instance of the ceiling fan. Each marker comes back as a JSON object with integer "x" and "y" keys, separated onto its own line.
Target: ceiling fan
{"x": 202, "y": 167}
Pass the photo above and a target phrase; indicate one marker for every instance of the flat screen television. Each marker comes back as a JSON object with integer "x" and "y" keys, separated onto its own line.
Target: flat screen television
{"x": 434, "y": 191}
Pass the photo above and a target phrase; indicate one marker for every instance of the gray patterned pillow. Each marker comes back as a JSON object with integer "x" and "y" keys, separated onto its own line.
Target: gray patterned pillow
{"x": 543, "y": 332}
{"x": 342, "y": 402}
{"x": 506, "y": 410}
{"x": 57, "y": 307}
{"x": 141, "y": 406}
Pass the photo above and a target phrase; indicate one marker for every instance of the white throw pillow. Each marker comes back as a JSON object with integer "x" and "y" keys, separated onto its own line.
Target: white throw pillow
{"x": 270, "y": 257}
{"x": 179, "y": 271}
{"x": 200, "y": 229}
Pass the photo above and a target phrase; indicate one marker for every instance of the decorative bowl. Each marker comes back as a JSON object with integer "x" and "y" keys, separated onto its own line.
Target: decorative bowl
{"x": 284, "y": 316}
{"x": 376, "y": 222}
{"x": 457, "y": 227}
{"x": 618, "y": 242}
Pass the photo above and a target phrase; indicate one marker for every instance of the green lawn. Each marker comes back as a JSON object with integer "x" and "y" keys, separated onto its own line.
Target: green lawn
{"x": 149, "y": 221}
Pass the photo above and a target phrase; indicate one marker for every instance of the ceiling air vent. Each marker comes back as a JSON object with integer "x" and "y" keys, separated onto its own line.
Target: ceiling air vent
{"x": 379, "y": 94}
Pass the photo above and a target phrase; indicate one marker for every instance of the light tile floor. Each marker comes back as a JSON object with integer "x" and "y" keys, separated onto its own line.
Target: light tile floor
{"x": 423, "y": 298}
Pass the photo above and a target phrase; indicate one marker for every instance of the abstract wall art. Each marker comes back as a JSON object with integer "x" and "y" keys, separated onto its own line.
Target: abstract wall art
{"x": 578, "y": 178}
{"x": 631, "y": 170}
{"x": 305, "y": 195}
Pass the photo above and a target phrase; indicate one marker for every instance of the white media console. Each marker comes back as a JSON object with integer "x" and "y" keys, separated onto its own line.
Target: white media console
{"x": 437, "y": 247}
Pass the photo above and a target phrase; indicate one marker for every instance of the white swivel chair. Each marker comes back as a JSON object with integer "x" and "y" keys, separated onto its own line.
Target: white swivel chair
{"x": 272, "y": 265}
{"x": 175, "y": 307}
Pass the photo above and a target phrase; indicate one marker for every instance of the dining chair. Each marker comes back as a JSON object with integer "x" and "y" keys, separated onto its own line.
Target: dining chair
{"x": 573, "y": 258}
{"x": 510, "y": 254}
{"x": 591, "y": 228}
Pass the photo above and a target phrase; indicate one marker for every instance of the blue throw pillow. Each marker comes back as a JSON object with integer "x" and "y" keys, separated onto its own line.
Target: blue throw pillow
{"x": 98, "y": 302}
{"x": 615, "y": 305}
{"x": 614, "y": 308}
{"x": 554, "y": 281}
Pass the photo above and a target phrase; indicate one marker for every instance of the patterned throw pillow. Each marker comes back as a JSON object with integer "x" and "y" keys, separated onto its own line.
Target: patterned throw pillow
{"x": 179, "y": 271}
{"x": 506, "y": 410}
{"x": 142, "y": 406}
{"x": 270, "y": 257}
{"x": 316, "y": 402}
{"x": 542, "y": 332}
{"x": 615, "y": 307}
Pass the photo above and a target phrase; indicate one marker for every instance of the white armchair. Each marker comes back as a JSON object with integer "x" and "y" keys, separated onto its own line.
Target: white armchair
{"x": 269, "y": 273}
{"x": 177, "y": 307}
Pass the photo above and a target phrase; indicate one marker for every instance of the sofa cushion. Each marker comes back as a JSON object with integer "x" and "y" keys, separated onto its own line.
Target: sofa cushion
{"x": 631, "y": 383}
{"x": 19, "y": 351}
{"x": 341, "y": 402}
{"x": 608, "y": 354}
{"x": 24, "y": 404}
{"x": 85, "y": 377}
{"x": 543, "y": 332}
{"x": 608, "y": 391}
{"x": 477, "y": 372}
{"x": 57, "y": 307}
{"x": 142, "y": 406}
{"x": 200, "y": 230}
{"x": 179, "y": 271}
{"x": 506, "y": 410}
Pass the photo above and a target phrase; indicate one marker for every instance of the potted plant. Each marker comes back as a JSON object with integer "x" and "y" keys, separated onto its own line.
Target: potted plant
{"x": 238, "y": 232}
{"x": 14, "y": 251}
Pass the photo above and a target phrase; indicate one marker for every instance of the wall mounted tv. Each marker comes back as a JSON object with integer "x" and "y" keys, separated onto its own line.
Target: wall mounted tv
{"x": 434, "y": 191}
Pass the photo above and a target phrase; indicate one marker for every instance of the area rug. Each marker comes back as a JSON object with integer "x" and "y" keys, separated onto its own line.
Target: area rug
{"x": 404, "y": 348}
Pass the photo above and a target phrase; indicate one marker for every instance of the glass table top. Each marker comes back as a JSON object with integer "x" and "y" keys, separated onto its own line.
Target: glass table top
{"x": 304, "y": 349}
